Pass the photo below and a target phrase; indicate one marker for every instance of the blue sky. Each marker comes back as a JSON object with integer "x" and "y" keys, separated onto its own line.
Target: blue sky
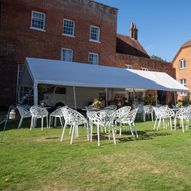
{"x": 164, "y": 25}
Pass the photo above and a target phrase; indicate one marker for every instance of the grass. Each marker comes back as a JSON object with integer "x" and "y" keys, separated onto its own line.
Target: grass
{"x": 37, "y": 160}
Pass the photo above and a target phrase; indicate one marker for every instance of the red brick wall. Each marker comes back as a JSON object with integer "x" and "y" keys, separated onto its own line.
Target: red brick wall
{"x": 138, "y": 62}
{"x": 15, "y": 32}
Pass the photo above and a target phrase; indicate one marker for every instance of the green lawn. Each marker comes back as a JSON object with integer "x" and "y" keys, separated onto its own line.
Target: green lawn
{"x": 37, "y": 160}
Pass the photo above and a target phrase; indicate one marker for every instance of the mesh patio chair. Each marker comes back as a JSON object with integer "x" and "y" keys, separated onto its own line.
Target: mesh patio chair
{"x": 163, "y": 113}
{"x": 24, "y": 113}
{"x": 73, "y": 119}
{"x": 38, "y": 112}
{"x": 183, "y": 115}
{"x": 147, "y": 111}
{"x": 129, "y": 119}
{"x": 101, "y": 119}
{"x": 56, "y": 114}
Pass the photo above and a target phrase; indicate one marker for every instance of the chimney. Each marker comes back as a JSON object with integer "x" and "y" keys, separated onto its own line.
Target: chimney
{"x": 133, "y": 31}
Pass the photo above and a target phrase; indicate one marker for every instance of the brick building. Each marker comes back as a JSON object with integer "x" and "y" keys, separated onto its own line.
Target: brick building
{"x": 71, "y": 30}
{"x": 182, "y": 65}
{"x": 80, "y": 31}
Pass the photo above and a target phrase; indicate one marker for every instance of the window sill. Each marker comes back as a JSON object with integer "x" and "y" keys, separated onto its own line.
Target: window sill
{"x": 68, "y": 35}
{"x": 94, "y": 41}
{"x": 37, "y": 29}
{"x": 182, "y": 68}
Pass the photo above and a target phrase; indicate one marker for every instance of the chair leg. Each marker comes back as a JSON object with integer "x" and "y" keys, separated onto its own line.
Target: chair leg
{"x": 159, "y": 122}
{"x": 20, "y": 122}
{"x": 61, "y": 121}
{"x": 131, "y": 130}
{"x": 47, "y": 122}
{"x": 50, "y": 120}
{"x": 72, "y": 135}
{"x": 88, "y": 133}
{"x": 182, "y": 120}
{"x": 135, "y": 130}
{"x": 76, "y": 131}
{"x": 113, "y": 131}
{"x": 98, "y": 135}
{"x": 42, "y": 120}
{"x": 62, "y": 136}
{"x": 152, "y": 116}
{"x": 91, "y": 132}
{"x": 109, "y": 132}
{"x": 120, "y": 130}
{"x": 155, "y": 123}
{"x": 144, "y": 117}
{"x": 55, "y": 121}
{"x": 32, "y": 121}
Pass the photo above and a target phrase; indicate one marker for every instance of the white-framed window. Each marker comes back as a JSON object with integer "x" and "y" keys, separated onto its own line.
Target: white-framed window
{"x": 183, "y": 82}
{"x": 144, "y": 69}
{"x": 93, "y": 58}
{"x": 94, "y": 33}
{"x": 183, "y": 93}
{"x": 67, "y": 54}
{"x": 128, "y": 66}
{"x": 68, "y": 27}
{"x": 38, "y": 20}
{"x": 182, "y": 64}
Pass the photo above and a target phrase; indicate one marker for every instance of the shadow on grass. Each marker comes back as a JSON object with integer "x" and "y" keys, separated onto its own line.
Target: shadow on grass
{"x": 143, "y": 135}
{"x": 127, "y": 136}
{"x": 52, "y": 138}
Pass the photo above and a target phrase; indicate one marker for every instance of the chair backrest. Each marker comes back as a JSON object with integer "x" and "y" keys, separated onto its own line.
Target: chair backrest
{"x": 23, "y": 111}
{"x": 147, "y": 109}
{"x": 58, "y": 112}
{"x": 129, "y": 117}
{"x": 121, "y": 111}
{"x": 132, "y": 114}
{"x": 38, "y": 111}
{"x": 72, "y": 116}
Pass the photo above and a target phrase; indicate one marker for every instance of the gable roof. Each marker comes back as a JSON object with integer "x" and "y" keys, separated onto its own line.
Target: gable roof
{"x": 127, "y": 45}
{"x": 185, "y": 45}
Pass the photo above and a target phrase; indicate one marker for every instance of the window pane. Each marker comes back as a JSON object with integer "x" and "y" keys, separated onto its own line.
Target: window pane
{"x": 68, "y": 27}
{"x": 67, "y": 55}
{"x": 182, "y": 63}
{"x": 93, "y": 58}
{"x": 38, "y": 20}
{"x": 94, "y": 33}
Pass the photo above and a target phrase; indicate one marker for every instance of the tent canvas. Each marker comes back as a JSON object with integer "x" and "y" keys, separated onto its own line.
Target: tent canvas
{"x": 56, "y": 72}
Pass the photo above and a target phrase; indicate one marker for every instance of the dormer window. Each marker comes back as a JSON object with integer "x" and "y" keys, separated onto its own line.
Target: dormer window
{"x": 182, "y": 64}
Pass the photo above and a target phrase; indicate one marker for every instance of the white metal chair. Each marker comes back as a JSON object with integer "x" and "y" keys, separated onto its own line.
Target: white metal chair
{"x": 163, "y": 113}
{"x": 73, "y": 119}
{"x": 38, "y": 112}
{"x": 184, "y": 115}
{"x": 129, "y": 118}
{"x": 147, "y": 111}
{"x": 100, "y": 119}
{"x": 54, "y": 115}
{"x": 24, "y": 113}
